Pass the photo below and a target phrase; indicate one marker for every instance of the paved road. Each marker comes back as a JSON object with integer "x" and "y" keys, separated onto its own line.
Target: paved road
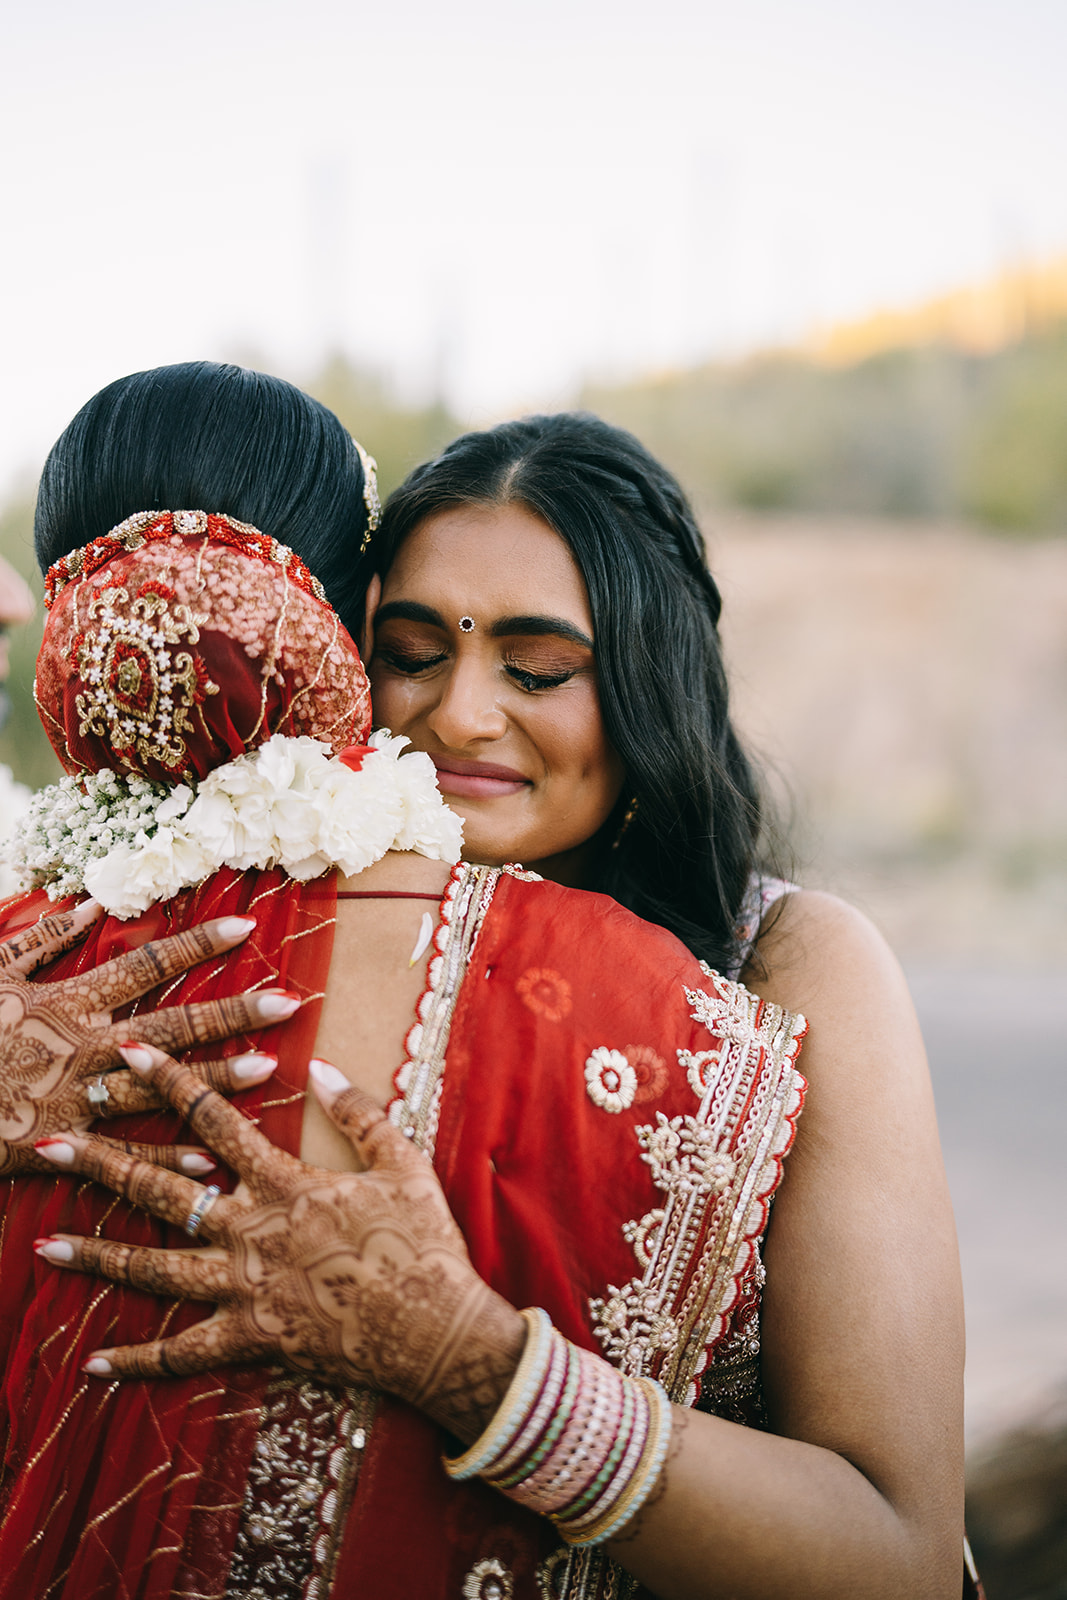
{"x": 998, "y": 1055}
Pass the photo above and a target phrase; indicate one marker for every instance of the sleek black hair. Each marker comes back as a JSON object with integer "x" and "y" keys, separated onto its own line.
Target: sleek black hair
{"x": 202, "y": 436}
{"x": 685, "y": 857}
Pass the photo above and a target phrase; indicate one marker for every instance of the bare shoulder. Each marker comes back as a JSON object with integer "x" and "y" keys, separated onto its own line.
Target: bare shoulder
{"x": 821, "y": 956}
{"x": 862, "y": 1321}
{"x": 813, "y": 943}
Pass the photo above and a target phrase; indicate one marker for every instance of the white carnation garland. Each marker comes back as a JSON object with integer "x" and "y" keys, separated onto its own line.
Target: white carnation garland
{"x": 130, "y": 842}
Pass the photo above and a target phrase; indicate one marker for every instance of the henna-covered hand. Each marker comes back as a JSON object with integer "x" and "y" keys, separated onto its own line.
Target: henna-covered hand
{"x": 59, "y": 1047}
{"x": 353, "y": 1277}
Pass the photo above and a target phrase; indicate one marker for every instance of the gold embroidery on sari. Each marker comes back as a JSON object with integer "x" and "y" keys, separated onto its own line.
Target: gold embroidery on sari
{"x": 301, "y": 1480}
{"x": 713, "y": 1166}
{"x": 301, "y": 1485}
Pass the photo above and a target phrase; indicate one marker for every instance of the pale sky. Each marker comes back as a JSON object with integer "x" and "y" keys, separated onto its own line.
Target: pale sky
{"x": 495, "y": 199}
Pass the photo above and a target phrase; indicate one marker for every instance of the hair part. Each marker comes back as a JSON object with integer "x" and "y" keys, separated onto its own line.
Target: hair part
{"x": 207, "y": 436}
{"x": 685, "y": 857}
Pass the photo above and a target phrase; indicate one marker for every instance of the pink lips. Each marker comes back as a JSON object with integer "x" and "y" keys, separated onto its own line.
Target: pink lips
{"x": 476, "y": 780}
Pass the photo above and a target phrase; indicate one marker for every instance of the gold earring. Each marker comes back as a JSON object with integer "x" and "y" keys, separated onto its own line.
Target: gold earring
{"x": 631, "y": 812}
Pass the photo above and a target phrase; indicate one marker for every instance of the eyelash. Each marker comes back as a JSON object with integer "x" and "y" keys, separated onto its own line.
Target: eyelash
{"x": 529, "y": 682}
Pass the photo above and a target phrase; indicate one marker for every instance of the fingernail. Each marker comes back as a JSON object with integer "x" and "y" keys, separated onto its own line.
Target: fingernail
{"x": 195, "y": 1163}
{"x": 328, "y": 1077}
{"x": 136, "y": 1056}
{"x": 235, "y": 927}
{"x": 55, "y": 1150}
{"x": 97, "y": 1367}
{"x": 54, "y": 1249}
{"x": 278, "y": 1003}
{"x": 252, "y": 1068}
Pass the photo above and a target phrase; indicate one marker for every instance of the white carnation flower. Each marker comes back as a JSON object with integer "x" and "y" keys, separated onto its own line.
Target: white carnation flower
{"x": 288, "y": 803}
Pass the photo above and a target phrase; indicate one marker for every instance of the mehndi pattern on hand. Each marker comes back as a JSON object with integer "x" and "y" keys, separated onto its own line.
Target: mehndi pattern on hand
{"x": 356, "y": 1278}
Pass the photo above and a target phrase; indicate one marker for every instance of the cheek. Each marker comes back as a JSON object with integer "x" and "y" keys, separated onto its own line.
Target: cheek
{"x": 585, "y": 757}
{"x": 394, "y": 701}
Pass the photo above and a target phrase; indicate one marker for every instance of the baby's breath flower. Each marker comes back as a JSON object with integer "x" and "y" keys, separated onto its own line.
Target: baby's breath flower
{"x": 129, "y": 841}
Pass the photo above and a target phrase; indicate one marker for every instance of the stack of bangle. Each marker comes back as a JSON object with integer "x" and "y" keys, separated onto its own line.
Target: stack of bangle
{"x": 573, "y": 1438}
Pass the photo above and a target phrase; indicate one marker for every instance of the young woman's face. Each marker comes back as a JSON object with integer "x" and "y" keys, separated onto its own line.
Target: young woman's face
{"x": 482, "y": 653}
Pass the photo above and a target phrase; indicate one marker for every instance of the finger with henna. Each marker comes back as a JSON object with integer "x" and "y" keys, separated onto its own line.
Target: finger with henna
{"x": 44, "y": 941}
{"x": 180, "y": 1274}
{"x": 218, "y": 1342}
{"x": 165, "y": 1194}
{"x": 268, "y": 1171}
{"x": 128, "y": 976}
{"x": 177, "y": 1028}
{"x": 129, "y": 1093}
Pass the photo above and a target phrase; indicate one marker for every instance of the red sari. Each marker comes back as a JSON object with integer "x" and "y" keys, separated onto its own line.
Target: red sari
{"x": 608, "y": 1120}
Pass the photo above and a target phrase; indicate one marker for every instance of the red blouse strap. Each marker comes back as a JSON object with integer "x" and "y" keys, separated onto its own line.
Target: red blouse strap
{"x": 387, "y": 894}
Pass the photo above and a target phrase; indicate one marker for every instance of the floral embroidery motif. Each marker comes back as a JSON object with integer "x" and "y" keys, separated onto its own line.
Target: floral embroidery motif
{"x": 650, "y": 1071}
{"x": 140, "y": 690}
{"x": 488, "y": 1580}
{"x": 546, "y": 993}
{"x": 716, "y": 1167}
{"x": 610, "y": 1080}
{"x": 642, "y": 1235}
{"x": 684, "y": 1156}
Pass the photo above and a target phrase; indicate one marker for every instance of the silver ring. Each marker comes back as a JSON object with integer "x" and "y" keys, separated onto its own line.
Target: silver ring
{"x": 201, "y": 1209}
{"x": 98, "y": 1094}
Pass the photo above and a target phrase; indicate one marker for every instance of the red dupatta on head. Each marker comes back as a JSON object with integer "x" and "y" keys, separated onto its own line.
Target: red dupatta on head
{"x": 178, "y": 643}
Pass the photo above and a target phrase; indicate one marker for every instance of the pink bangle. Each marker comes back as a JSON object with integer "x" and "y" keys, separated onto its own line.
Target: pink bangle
{"x": 573, "y": 1439}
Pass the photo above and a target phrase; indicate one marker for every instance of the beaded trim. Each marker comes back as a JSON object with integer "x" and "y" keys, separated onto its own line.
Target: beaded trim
{"x": 371, "y": 497}
{"x": 144, "y": 527}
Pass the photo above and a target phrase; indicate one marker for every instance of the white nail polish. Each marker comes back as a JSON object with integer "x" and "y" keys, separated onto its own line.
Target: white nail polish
{"x": 197, "y": 1164}
{"x": 235, "y": 927}
{"x": 98, "y": 1367}
{"x": 137, "y": 1057}
{"x": 59, "y": 1151}
{"x": 425, "y": 935}
{"x": 328, "y": 1077}
{"x": 56, "y": 1250}
{"x": 275, "y": 1007}
{"x": 252, "y": 1068}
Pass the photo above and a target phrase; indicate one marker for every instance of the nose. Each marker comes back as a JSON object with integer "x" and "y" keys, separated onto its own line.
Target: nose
{"x": 467, "y": 711}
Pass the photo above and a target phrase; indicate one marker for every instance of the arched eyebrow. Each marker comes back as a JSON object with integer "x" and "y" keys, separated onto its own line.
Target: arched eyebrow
{"x": 502, "y": 628}
{"x": 558, "y": 627}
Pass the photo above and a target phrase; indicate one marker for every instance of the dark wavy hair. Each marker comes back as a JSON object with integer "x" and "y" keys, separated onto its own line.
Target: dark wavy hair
{"x": 685, "y": 857}
{"x": 202, "y": 436}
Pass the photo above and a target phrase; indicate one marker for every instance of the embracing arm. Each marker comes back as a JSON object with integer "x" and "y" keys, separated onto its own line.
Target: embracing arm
{"x": 858, "y": 1491}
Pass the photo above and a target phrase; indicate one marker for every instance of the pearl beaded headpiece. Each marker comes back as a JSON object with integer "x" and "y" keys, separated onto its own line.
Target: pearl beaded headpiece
{"x": 371, "y": 497}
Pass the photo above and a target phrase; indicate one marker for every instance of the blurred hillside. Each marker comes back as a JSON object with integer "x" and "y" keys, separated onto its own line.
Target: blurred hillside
{"x": 957, "y": 408}
{"x": 905, "y": 684}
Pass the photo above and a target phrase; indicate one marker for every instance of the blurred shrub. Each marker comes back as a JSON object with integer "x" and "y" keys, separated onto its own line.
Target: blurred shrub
{"x": 925, "y": 431}
{"x": 397, "y": 436}
{"x": 1014, "y": 471}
